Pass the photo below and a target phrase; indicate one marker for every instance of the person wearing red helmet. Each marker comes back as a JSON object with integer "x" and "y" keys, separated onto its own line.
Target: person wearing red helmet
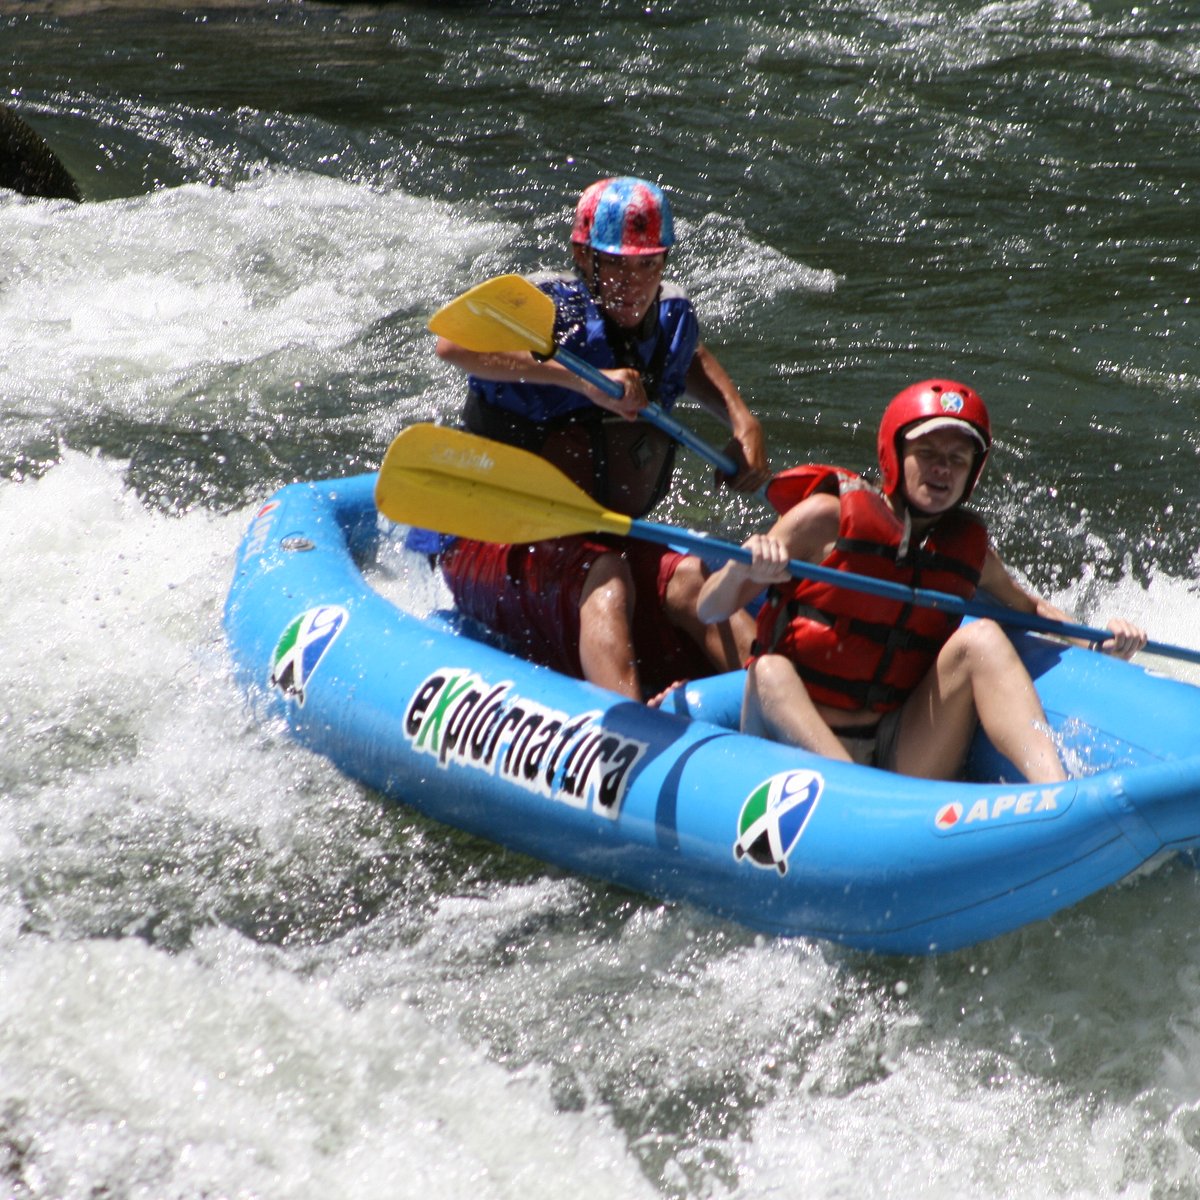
{"x": 614, "y": 611}
{"x": 873, "y": 680}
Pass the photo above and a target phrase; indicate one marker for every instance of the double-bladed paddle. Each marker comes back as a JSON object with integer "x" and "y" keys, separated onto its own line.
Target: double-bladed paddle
{"x": 472, "y": 487}
{"x": 509, "y": 313}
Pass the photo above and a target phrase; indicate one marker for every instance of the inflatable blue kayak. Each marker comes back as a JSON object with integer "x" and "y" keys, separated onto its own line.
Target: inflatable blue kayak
{"x": 678, "y": 804}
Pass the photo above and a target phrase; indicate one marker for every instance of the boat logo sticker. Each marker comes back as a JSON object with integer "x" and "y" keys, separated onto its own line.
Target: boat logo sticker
{"x": 302, "y": 646}
{"x": 462, "y": 720}
{"x": 260, "y": 529}
{"x": 774, "y": 816}
{"x": 990, "y": 811}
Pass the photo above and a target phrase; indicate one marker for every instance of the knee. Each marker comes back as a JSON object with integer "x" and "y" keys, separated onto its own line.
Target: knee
{"x": 771, "y": 675}
{"x": 609, "y": 584}
{"x": 982, "y": 642}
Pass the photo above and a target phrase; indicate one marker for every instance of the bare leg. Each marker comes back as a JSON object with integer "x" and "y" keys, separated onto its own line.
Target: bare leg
{"x": 727, "y": 644}
{"x": 978, "y": 675}
{"x": 606, "y": 627}
{"x": 777, "y": 706}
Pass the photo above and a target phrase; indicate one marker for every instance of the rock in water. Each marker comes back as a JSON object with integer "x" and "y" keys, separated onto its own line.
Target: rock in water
{"x": 28, "y": 165}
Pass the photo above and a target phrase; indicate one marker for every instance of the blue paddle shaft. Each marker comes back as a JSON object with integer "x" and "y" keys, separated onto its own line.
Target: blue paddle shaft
{"x": 652, "y": 413}
{"x": 704, "y": 546}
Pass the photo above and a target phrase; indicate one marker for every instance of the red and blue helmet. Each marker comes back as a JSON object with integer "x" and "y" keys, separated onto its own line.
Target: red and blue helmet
{"x": 585, "y": 211}
{"x": 624, "y": 216}
{"x": 922, "y": 408}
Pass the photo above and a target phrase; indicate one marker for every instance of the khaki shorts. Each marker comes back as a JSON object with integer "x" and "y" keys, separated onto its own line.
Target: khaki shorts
{"x": 873, "y": 745}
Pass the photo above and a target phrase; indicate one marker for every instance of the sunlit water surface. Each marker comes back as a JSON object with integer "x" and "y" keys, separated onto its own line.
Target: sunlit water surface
{"x": 227, "y": 971}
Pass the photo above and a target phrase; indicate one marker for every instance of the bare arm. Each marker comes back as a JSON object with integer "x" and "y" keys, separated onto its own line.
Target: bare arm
{"x": 709, "y": 384}
{"x": 996, "y": 579}
{"x": 517, "y": 366}
{"x": 806, "y": 532}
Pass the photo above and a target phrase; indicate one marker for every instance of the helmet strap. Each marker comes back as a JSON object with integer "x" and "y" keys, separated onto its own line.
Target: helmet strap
{"x": 593, "y": 278}
{"x": 905, "y": 536}
{"x": 906, "y": 512}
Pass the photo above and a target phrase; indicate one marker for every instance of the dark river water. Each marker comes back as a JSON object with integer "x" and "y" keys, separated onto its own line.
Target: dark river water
{"x": 226, "y": 971}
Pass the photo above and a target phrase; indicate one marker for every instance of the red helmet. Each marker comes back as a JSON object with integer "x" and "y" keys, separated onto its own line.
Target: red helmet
{"x": 624, "y": 216}
{"x": 922, "y": 408}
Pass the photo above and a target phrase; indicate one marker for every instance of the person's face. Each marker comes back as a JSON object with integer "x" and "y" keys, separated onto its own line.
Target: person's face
{"x": 936, "y": 468}
{"x": 625, "y": 285}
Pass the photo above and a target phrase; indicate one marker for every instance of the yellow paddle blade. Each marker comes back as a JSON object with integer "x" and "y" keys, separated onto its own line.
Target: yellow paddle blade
{"x": 472, "y": 487}
{"x": 505, "y": 313}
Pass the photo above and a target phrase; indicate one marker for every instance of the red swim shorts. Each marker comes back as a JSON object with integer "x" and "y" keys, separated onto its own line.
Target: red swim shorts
{"x": 530, "y": 595}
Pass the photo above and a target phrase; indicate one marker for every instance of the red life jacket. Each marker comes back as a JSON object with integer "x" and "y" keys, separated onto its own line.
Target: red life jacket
{"x": 853, "y": 650}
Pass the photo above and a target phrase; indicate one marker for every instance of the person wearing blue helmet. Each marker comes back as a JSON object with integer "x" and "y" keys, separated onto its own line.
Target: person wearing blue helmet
{"x": 618, "y": 612}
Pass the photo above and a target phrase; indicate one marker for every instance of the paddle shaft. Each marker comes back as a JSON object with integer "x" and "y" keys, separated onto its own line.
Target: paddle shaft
{"x": 471, "y": 487}
{"x": 705, "y": 546}
{"x": 509, "y": 313}
{"x": 652, "y": 412}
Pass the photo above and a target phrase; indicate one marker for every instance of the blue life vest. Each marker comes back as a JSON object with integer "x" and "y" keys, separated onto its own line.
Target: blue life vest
{"x": 627, "y": 466}
{"x": 665, "y": 352}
